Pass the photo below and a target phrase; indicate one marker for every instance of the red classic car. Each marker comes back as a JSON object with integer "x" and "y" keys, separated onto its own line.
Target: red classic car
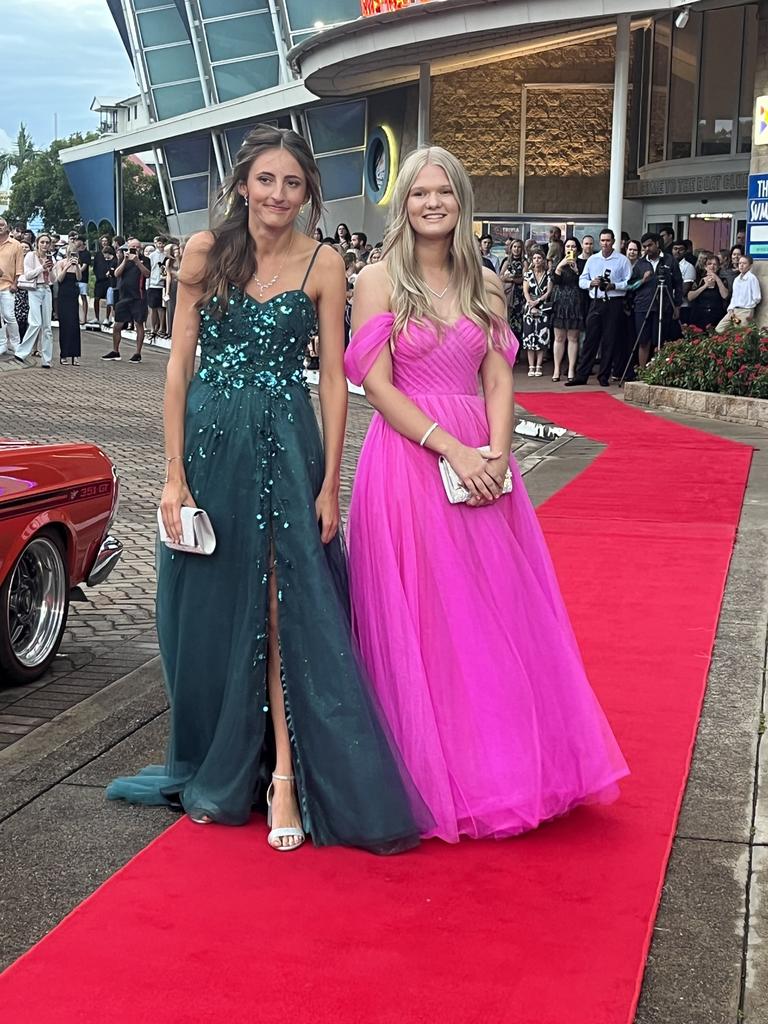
{"x": 57, "y": 504}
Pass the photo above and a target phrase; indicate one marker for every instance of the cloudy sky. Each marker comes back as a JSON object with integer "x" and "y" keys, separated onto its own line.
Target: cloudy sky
{"x": 58, "y": 55}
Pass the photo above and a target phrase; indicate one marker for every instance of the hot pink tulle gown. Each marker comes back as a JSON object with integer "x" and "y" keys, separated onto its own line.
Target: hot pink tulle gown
{"x": 459, "y": 617}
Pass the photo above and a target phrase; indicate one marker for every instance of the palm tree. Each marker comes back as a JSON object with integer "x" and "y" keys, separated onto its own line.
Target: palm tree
{"x": 15, "y": 158}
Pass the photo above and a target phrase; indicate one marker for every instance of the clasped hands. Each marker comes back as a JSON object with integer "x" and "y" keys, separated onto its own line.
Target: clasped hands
{"x": 482, "y": 473}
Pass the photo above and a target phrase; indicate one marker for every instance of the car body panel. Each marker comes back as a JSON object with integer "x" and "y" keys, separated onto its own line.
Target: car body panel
{"x": 72, "y": 487}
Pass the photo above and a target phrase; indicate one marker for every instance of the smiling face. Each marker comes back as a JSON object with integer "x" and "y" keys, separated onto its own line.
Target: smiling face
{"x": 516, "y": 249}
{"x": 276, "y": 188}
{"x": 433, "y": 210}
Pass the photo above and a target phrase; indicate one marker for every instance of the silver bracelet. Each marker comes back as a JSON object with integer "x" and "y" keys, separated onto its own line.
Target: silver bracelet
{"x": 424, "y": 439}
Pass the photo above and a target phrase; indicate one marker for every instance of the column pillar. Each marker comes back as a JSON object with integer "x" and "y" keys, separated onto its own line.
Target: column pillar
{"x": 425, "y": 102}
{"x": 619, "y": 125}
{"x": 758, "y": 163}
{"x": 118, "y": 172}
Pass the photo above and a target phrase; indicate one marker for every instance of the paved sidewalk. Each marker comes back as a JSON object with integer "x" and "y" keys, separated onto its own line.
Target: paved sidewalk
{"x": 59, "y": 838}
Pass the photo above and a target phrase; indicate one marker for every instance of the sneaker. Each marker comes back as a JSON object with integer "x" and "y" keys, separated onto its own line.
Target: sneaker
{"x": 107, "y": 325}
{"x": 135, "y": 358}
{"x": 111, "y": 355}
{"x": 20, "y": 359}
{"x": 45, "y": 366}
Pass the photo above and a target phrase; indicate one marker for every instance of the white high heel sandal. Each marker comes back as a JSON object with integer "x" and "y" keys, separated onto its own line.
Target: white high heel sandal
{"x": 279, "y": 833}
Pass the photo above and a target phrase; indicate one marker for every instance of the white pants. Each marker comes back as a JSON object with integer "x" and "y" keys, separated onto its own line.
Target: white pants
{"x": 40, "y": 308}
{"x": 8, "y": 317}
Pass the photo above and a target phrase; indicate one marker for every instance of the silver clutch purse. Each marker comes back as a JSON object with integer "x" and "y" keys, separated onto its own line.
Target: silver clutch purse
{"x": 455, "y": 490}
{"x": 197, "y": 533}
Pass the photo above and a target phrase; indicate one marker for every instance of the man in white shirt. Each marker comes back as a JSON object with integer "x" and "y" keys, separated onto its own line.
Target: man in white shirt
{"x": 745, "y": 297}
{"x": 605, "y": 276}
{"x": 486, "y": 244}
{"x": 687, "y": 270}
{"x": 156, "y": 318}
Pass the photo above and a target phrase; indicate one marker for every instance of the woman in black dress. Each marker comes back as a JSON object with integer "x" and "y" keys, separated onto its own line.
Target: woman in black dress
{"x": 567, "y": 308}
{"x": 68, "y": 275}
{"x": 708, "y": 298}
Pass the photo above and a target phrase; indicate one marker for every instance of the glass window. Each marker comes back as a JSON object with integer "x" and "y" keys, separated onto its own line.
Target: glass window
{"x": 191, "y": 193}
{"x": 682, "y": 88}
{"x": 141, "y": 5}
{"x": 304, "y": 13}
{"x": 747, "y": 100}
{"x": 220, "y": 8}
{"x": 645, "y": 97}
{"x": 171, "y": 100}
{"x": 338, "y": 126}
{"x": 240, "y": 37}
{"x": 341, "y": 175}
{"x": 658, "y": 126}
{"x": 718, "y": 91}
{"x": 171, "y": 64}
{"x": 187, "y": 156}
{"x": 158, "y": 27}
{"x": 245, "y": 76}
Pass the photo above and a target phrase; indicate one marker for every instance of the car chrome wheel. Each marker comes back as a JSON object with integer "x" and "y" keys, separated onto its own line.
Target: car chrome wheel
{"x": 37, "y": 602}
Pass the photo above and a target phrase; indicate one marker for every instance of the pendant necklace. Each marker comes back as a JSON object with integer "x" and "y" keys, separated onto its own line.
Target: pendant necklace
{"x": 438, "y": 295}
{"x": 263, "y": 286}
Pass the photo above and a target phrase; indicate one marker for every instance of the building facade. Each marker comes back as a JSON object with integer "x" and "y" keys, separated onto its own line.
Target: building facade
{"x": 562, "y": 114}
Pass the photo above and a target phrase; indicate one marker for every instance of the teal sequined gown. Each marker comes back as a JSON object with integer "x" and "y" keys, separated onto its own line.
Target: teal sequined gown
{"x": 254, "y": 462}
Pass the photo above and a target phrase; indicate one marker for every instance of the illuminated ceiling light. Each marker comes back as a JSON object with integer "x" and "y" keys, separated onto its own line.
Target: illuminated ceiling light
{"x": 319, "y": 24}
{"x": 682, "y": 19}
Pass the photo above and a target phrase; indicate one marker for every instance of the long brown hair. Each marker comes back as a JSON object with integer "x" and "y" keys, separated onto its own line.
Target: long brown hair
{"x": 232, "y": 259}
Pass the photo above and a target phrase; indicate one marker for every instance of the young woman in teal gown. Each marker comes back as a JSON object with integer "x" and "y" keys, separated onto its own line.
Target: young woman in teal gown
{"x": 268, "y": 703}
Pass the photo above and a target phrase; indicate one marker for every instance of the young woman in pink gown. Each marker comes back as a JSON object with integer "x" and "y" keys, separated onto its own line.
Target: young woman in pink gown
{"x": 457, "y": 609}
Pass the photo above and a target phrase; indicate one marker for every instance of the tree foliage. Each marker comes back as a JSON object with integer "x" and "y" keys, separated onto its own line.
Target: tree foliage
{"x": 142, "y": 203}
{"x": 40, "y": 186}
{"x": 22, "y": 152}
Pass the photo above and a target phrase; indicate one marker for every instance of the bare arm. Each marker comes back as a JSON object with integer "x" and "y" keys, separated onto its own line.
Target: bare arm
{"x": 498, "y": 388}
{"x": 121, "y": 265}
{"x": 372, "y": 296}
{"x": 181, "y": 366}
{"x": 331, "y": 298}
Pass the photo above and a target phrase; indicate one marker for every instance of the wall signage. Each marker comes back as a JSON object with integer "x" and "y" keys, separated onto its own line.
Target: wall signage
{"x": 757, "y": 217}
{"x": 370, "y": 7}
{"x": 690, "y": 185}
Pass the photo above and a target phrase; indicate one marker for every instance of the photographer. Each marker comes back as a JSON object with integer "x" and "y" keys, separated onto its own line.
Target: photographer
{"x": 604, "y": 277}
{"x": 131, "y": 276}
{"x": 104, "y": 264}
{"x": 657, "y": 274}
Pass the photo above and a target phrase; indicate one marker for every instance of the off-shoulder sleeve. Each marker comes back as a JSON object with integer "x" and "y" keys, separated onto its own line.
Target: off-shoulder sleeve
{"x": 507, "y": 344}
{"x": 366, "y": 343}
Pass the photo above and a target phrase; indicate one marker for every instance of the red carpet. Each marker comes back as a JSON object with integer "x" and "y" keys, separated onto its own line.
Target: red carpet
{"x": 552, "y": 928}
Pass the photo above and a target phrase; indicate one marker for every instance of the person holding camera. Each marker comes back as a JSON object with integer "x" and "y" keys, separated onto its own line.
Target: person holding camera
{"x": 658, "y": 291}
{"x": 39, "y": 271}
{"x": 131, "y": 276}
{"x": 605, "y": 277}
{"x": 104, "y": 264}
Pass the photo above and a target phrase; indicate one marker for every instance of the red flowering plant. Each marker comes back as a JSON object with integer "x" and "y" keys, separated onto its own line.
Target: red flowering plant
{"x": 732, "y": 363}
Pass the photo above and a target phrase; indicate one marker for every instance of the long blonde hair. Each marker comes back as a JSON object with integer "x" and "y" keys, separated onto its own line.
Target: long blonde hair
{"x": 410, "y": 296}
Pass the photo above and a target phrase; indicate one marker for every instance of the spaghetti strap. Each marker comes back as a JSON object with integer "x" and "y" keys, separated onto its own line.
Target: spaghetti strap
{"x": 311, "y": 264}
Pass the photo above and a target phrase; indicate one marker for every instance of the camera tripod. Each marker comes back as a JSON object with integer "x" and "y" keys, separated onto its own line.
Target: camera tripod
{"x": 665, "y": 301}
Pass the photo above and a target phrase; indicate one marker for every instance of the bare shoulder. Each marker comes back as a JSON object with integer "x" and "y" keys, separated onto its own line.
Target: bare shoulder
{"x": 199, "y": 244}
{"x": 492, "y": 282}
{"x": 374, "y": 280}
{"x": 328, "y": 258}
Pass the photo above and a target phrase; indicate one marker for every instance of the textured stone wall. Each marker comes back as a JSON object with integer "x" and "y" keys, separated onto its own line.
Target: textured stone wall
{"x": 476, "y": 114}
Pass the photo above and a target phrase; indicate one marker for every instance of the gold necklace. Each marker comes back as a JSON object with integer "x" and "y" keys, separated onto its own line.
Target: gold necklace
{"x": 265, "y": 286}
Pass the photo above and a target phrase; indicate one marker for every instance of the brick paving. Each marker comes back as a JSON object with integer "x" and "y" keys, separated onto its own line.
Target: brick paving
{"x": 117, "y": 405}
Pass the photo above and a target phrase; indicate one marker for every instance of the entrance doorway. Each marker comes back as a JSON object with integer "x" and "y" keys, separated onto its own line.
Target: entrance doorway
{"x": 710, "y": 231}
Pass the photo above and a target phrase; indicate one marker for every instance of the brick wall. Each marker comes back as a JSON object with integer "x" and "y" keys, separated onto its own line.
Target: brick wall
{"x": 476, "y": 115}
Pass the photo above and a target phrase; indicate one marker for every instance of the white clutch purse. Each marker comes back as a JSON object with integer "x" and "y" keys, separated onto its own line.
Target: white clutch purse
{"x": 197, "y": 533}
{"x": 455, "y": 490}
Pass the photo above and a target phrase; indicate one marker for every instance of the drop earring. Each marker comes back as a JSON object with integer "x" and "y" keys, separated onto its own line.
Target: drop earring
{"x": 245, "y": 200}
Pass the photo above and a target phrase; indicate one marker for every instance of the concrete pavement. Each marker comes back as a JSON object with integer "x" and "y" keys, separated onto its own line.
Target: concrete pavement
{"x": 102, "y": 712}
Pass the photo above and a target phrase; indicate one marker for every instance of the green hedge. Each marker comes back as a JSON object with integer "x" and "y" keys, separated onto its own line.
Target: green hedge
{"x": 732, "y": 363}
